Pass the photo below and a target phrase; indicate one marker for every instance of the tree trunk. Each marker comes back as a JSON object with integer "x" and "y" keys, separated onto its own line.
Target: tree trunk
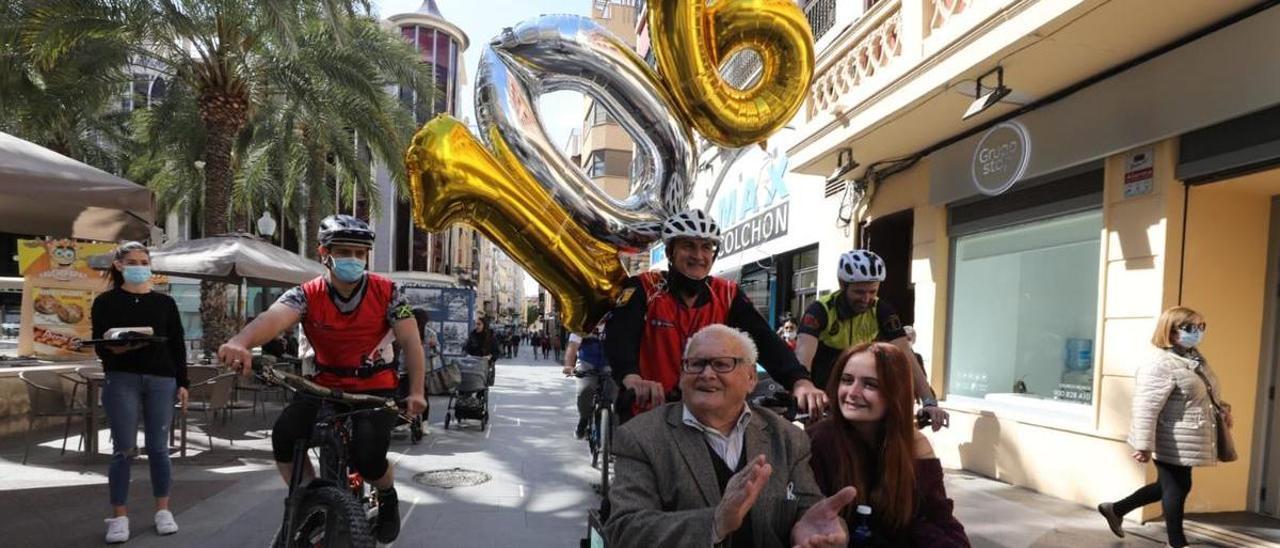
{"x": 223, "y": 115}
{"x": 316, "y": 184}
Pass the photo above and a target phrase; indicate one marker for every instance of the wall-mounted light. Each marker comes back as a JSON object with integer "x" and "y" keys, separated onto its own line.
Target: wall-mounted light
{"x": 845, "y": 164}
{"x": 987, "y": 99}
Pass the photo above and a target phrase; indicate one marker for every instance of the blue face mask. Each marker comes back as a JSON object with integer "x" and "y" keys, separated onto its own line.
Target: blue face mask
{"x": 1189, "y": 339}
{"x": 347, "y": 269}
{"x": 137, "y": 274}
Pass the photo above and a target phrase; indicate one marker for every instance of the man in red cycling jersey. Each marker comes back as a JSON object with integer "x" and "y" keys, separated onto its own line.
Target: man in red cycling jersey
{"x": 657, "y": 312}
{"x": 350, "y": 317}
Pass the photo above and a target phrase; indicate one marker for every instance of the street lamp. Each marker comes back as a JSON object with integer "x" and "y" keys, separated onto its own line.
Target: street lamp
{"x": 266, "y": 225}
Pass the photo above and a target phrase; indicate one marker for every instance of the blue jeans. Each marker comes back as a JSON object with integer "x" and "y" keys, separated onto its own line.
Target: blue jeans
{"x": 123, "y": 396}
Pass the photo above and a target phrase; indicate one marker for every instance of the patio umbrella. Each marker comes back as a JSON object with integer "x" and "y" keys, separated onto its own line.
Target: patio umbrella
{"x": 229, "y": 258}
{"x": 43, "y": 193}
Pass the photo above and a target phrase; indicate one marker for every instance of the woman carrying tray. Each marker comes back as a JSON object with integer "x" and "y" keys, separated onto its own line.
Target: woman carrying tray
{"x": 142, "y": 379}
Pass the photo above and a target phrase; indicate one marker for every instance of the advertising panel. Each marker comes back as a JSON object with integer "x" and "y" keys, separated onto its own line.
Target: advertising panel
{"x": 57, "y": 294}
{"x": 450, "y": 310}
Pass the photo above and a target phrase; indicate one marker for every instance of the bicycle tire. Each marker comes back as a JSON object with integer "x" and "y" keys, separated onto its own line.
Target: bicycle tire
{"x": 606, "y": 448}
{"x": 593, "y": 438}
{"x": 343, "y": 518}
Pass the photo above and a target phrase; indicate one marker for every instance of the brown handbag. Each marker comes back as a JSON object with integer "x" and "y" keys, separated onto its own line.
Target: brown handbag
{"x": 1226, "y": 444}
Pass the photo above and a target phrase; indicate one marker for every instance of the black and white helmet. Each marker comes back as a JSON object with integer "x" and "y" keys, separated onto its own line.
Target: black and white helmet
{"x": 690, "y": 223}
{"x": 345, "y": 229}
{"x": 860, "y": 265}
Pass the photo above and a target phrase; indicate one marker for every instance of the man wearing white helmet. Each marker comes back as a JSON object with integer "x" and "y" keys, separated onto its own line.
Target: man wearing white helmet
{"x": 854, "y": 315}
{"x": 657, "y": 312}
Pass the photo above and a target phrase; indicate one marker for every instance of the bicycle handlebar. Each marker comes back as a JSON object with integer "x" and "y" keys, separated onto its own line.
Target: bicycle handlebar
{"x": 302, "y": 384}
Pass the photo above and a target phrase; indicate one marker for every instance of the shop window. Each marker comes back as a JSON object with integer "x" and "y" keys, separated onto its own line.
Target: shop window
{"x": 757, "y": 285}
{"x": 1024, "y": 311}
{"x": 804, "y": 281}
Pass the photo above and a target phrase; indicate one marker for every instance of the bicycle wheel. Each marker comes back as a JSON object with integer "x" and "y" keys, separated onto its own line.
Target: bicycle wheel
{"x": 328, "y": 516}
{"x": 606, "y": 448}
{"x": 593, "y": 440}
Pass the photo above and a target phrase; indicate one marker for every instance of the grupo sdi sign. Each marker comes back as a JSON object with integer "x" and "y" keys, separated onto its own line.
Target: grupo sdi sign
{"x": 1000, "y": 158}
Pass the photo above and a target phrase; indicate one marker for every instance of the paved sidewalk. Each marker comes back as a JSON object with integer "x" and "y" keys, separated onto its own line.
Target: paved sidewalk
{"x": 538, "y": 496}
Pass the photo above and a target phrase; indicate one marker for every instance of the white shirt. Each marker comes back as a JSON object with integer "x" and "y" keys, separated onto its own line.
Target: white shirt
{"x": 729, "y": 448}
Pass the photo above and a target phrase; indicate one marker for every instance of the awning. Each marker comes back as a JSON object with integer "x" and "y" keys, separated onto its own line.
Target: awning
{"x": 43, "y": 193}
{"x": 229, "y": 258}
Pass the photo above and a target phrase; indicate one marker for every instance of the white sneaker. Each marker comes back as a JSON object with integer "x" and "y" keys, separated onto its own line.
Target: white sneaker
{"x": 117, "y": 529}
{"x": 165, "y": 524}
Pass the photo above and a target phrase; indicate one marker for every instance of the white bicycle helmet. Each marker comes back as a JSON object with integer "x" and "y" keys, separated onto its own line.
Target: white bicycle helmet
{"x": 860, "y": 265}
{"x": 690, "y": 223}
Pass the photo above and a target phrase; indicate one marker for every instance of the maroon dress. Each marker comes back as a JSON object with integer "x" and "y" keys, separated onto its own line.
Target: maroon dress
{"x": 932, "y": 524}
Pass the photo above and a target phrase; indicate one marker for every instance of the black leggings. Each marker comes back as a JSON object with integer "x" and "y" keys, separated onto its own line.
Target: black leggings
{"x": 1173, "y": 483}
{"x": 370, "y": 434}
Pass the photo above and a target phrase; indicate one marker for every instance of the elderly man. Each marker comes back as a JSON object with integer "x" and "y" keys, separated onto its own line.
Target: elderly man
{"x": 714, "y": 470}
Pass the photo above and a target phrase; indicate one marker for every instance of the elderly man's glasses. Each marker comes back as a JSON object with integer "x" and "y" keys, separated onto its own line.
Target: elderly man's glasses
{"x": 1189, "y": 327}
{"x": 719, "y": 365}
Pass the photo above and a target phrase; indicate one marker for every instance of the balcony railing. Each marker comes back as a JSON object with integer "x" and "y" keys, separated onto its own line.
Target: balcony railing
{"x": 742, "y": 70}
{"x": 876, "y": 44}
{"x": 822, "y": 16}
{"x": 940, "y": 12}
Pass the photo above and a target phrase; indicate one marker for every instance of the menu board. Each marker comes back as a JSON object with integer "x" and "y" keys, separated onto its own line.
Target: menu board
{"x": 57, "y": 295}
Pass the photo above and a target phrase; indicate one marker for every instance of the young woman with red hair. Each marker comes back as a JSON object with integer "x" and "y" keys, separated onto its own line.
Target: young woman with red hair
{"x": 870, "y": 441}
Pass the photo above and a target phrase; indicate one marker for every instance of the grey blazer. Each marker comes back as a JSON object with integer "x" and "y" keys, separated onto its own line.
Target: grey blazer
{"x": 665, "y": 491}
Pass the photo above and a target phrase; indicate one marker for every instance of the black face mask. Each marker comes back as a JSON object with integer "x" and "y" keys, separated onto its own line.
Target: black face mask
{"x": 683, "y": 285}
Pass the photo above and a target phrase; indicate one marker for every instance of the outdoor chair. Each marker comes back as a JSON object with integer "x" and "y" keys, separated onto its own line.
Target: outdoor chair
{"x": 204, "y": 396}
{"x": 48, "y": 397}
{"x": 259, "y": 389}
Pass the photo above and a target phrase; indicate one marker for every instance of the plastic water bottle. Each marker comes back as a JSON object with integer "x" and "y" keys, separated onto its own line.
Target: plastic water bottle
{"x": 861, "y": 535}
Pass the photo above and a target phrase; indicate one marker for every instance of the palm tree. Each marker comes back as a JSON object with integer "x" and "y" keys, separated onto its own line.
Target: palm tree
{"x": 63, "y": 99}
{"x": 216, "y": 53}
{"x": 330, "y": 115}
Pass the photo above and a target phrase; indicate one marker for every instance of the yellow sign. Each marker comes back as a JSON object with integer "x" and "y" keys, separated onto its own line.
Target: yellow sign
{"x": 59, "y": 260}
{"x": 57, "y": 295}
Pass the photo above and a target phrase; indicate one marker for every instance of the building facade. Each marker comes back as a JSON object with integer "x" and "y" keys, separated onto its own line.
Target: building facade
{"x": 1043, "y": 179}
{"x": 603, "y": 148}
{"x": 402, "y": 246}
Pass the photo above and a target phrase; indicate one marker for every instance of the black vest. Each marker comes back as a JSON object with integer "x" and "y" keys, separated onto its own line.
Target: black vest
{"x": 743, "y": 537}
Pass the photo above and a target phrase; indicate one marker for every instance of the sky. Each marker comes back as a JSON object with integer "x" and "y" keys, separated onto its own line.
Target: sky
{"x": 481, "y": 20}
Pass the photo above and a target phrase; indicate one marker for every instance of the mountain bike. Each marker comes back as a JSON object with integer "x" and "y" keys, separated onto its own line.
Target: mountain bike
{"x": 338, "y": 508}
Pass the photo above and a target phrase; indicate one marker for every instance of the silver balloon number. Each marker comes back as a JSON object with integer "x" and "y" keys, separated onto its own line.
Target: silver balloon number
{"x": 566, "y": 52}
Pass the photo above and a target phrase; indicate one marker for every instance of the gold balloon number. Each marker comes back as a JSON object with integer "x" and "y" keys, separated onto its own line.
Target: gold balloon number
{"x": 454, "y": 179}
{"x": 691, "y": 39}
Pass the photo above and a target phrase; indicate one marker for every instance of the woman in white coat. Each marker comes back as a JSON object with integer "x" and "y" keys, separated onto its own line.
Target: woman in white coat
{"x": 1173, "y": 417}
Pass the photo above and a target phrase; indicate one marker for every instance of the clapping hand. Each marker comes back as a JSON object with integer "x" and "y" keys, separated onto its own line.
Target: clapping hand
{"x": 821, "y": 526}
{"x": 740, "y": 495}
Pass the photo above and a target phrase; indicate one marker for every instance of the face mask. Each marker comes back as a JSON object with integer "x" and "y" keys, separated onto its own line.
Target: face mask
{"x": 137, "y": 274}
{"x": 1189, "y": 339}
{"x": 788, "y": 335}
{"x": 347, "y": 269}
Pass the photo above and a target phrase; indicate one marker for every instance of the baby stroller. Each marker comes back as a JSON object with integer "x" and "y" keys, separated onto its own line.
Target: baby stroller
{"x": 470, "y": 399}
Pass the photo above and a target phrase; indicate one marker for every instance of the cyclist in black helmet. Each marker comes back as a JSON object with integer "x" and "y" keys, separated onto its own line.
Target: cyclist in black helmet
{"x": 350, "y": 317}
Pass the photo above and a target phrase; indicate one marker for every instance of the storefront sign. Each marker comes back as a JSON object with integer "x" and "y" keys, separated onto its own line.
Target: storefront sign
{"x": 1139, "y": 173}
{"x": 1000, "y": 158}
{"x": 770, "y": 225}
